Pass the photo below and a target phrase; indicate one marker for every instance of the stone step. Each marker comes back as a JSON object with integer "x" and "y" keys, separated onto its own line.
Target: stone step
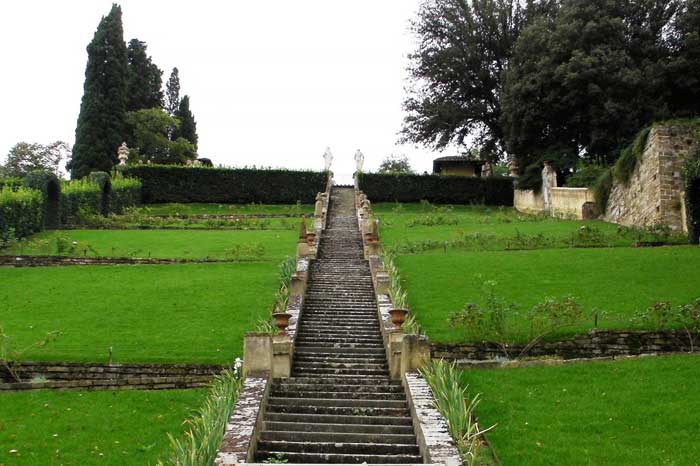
{"x": 338, "y": 437}
{"x": 341, "y": 365}
{"x": 326, "y": 458}
{"x": 321, "y": 371}
{"x": 338, "y": 402}
{"x": 379, "y": 380}
{"x": 297, "y": 427}
{"x": 321, "y": 350}
{"x": 338, "y": 448}
{"x": 325, "y": 387}
{"x": 313, "y": 395}
{"x": 335, "y": 340}
{"x": 320, "y": 419}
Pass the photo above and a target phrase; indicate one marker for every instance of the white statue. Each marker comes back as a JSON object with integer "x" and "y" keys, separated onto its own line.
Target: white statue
{"x": 359, "y": 161}
{"x": 549, "y": 181}
{"x": 123, "y": 154}
{"x": 328, "y": 159}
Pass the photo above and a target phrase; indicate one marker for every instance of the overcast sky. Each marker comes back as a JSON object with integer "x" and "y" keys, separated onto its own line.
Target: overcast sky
{"x": 271, "y": 83}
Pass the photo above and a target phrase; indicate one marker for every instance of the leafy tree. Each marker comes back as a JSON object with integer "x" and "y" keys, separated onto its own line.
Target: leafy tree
{"x": 144, "y": 79}
{"x": 149, "y": 129}
{"x": 172, "y": 92}
{"x": 188, "y": 126}
{"x": 456, "y": 73}
{"x": 583, "y": 83}
{"x": 395, "y": 164}
{"x": 100, "y": 128}
{"x": 684, "y": 80}
{"x": 26, "y": 157}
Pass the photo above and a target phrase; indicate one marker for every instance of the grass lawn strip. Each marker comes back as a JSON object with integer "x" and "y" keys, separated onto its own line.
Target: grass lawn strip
{"x": 187, "y": 244}
{"x": 196, "y": 208}
{"x": 618, "y": 280}
{"x": 191, "y": 313}
{"x": 635, "y": 412}
{"x": 91, "y": 428}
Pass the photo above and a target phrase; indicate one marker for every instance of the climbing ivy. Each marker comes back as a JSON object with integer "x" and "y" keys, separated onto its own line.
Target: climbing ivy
{"x": 691, "y": 176}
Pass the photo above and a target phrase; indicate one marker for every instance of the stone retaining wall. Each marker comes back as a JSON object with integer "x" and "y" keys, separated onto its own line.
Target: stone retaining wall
{"x": 596, "y": 343}
{"x": 528, "y": 201}
{"x": 565, "y": 202}
{"x": 87, "y": 376}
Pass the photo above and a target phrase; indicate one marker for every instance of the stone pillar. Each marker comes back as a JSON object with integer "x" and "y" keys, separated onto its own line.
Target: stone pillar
{"x": 282, "y": 350}
{"x": 382, "y": 283}
{"x": 395, "y": 346}
{"x": 303, "y": 248}
{"x": 298, "y": 284}
{"x": 372, "y": 248}
{"x": 257, "y": 354}
{"x": 415, "y": 352}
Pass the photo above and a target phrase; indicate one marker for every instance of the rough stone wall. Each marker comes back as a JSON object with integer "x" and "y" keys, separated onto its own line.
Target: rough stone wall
{"x": 596, "y": 343}
{"x": 652, "y": 195}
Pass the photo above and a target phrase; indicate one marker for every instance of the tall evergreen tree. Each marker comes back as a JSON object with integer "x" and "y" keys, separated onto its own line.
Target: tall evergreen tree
{"x": 144, "y": 80}
{"x": 101, "y": 122}
{"x": 172, "y": 92}
{"x": 684, "y": 80}
{"x": 188, "y": 126}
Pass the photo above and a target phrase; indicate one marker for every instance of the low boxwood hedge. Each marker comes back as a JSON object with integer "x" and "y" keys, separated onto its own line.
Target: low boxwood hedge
{"x": 126, "y": 192}
{"x": 12, "y": 183}
{"x": 79, "y": 199}
{"x": 437, "y": 189}
{"x": 169, "y": 183}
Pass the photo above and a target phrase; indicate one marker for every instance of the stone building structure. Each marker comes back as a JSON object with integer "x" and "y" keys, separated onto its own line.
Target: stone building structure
{"x": 458, "y": 166}
{"x": 653, "y": 194}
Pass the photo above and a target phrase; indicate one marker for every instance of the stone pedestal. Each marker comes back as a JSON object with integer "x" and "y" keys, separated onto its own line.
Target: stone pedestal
{"x": 303, "y": 249}
{"x": 415, "y": 352}
{"x": 298, "y": 284}
{"x": 382, "y": 282}
{"x": 395, "y": 346}
{"x": 257, "y": 354}
{"x": 282, "y": 351}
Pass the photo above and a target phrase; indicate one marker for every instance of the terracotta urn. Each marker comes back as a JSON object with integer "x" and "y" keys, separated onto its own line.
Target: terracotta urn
{"x": 282, "y": 322}
{"x": 398, "y": 316}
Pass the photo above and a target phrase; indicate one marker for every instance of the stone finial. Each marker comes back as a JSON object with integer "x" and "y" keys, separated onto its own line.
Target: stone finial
{"x": 123, "y": 154}
{"x": 327, "y": 159}
{"x": 359, "y": 160}
{"x": 549, "y": 181}
{"x": 513, "y": 167}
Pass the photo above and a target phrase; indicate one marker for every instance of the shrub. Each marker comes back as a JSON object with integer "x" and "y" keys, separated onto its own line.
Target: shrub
{"x": 126, "y": 192}
{"x": 12, "y": 182}
{"x": 163, "y": 183}
{"x": 437, "y": 189}
{"x": 585, "y": 177}
{"x": 80, "y": 199}
{"x": 21, "y": 213}
{"x": 602, "y": 189}
{"x": 630, "y": 155}
{"x": 50, "y": 187}
{"x": 691, "y": 175}
{"x": 105, "y": 183}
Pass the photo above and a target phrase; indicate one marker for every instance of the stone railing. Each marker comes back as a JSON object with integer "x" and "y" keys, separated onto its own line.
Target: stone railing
{"x": 405, "y": 353}
{"x": 564, "y": 202}
{"x": 91, "y": 376}
{"x": 594, "y": 344}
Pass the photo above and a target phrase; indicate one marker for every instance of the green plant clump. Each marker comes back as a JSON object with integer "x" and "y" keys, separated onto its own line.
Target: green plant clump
{"x": 126, "y": 192}
{"x": 21, "y": 213}
{"x": 80, "y": 199}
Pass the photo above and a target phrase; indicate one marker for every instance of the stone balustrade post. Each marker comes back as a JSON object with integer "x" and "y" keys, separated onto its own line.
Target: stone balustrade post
{"x": 257, "y": 354}
{"x": 395, "y": 347}
{"x": 415, "y": 352}
{"x": 282, "y": 352}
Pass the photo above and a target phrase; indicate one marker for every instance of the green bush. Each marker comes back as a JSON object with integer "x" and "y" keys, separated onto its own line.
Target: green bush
{"x": 168, "y": 183}
{"x": 691, "y": 175}
{"x": 126, "y": 192}
{"x": 21, "y": 213}
{"x": 12, "y": 182}
{"x": 80, "y": 199}
{"x": 104, "y": 181}
{"x": 602, "y": 189}
{"x": 437, "y": 189}
{"x": 630, "y": 155}
{"x": 50, "y": 187}
{"x": 585, "y": 177}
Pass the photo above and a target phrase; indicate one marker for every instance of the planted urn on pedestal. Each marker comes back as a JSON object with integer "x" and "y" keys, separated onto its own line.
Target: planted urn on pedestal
{"x": 398, "y": 316}
{"x": 282, "y": 322}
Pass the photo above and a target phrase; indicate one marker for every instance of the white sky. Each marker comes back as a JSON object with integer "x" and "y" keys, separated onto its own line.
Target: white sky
{"x": 271, "y": 83}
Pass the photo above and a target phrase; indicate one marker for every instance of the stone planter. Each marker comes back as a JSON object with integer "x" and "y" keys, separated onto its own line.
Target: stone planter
{"x": 398, "y": 316}
{"x": 311, "y": 238}
{"x": 282, "y": 322}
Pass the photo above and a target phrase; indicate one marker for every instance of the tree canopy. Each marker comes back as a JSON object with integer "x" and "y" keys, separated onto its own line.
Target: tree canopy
{"x": 100, "y": 127}
{"x": 172, "y": 92}
{"x": 144, "y": 80}
{"x": 149, "y": 139}
{"x": 26, "y": 157}
{"x": 188, "y": 125}
{"x": 395, "y": 164}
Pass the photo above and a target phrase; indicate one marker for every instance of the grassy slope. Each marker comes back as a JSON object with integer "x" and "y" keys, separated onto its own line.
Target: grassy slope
{"x": 90, "y": 428}
{"x": 162, "y": 243}
{"x": 224, "y": 209}
{"x": 172, "y": 313}
{"x": 637, "y": 412}
{"x": 618, "y": 280}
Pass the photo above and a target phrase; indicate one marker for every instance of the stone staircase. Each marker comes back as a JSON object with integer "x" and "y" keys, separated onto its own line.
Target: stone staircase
{"x": 339, "y": 405}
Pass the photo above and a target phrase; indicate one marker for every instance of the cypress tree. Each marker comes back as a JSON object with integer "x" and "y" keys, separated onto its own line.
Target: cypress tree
{"x": 101, "y": 122}
{"x": 188, "y": 126}
{"x": 144, "y": 80}
{"x": 172, "y": 92}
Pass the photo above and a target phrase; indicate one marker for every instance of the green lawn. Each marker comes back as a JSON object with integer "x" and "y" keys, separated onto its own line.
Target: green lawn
{"x": 617, "y": 280}
{"x": 636, "y": 412}
{"x": 407, "y": 228}
{"x": 195, "y": 313}
{"x": 258, "y": 245}
{"x": 91, "y": 428}
{"x": 224, "y": 209}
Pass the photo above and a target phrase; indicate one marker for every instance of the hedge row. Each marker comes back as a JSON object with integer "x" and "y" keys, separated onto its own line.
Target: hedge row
{"x": 80, "y": 199}
{"x": 21, "y": 213}
{"x": 437, "y": 189}
{"x": 12, "y": 183}
{"x": 126, "y": 192}
{"x": 167, "y": 183}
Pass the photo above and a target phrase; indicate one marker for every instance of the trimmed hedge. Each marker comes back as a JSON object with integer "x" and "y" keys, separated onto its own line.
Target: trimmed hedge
{"x": 12, "y": 183}
{"x": 105, "y": 184}
{"x": 21, "y": 212}
{"x": 80, "y": 198}
{"x": 126, "y": 192}
{"x": 50, "y": 187}
{"x": 173, "y": 183}
{"x": 437, "y": 189}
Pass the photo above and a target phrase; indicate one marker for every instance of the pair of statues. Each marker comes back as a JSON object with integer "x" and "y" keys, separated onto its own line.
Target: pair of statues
{"x": 328, "y": 159}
